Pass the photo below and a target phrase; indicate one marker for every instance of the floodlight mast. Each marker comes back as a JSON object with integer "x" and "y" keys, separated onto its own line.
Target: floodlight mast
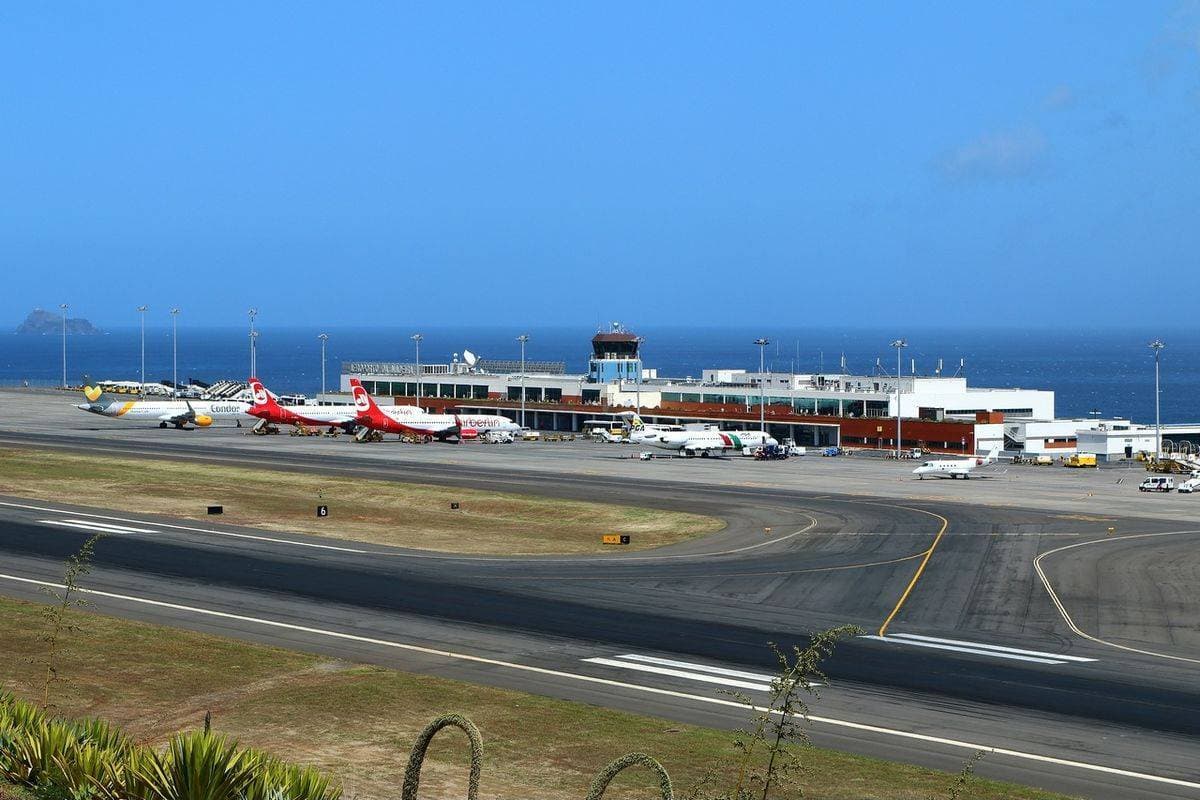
{"x": 899, "y": 344}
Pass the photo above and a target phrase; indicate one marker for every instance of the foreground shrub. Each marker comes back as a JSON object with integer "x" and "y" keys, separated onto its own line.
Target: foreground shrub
{"x": 92, "y": 760}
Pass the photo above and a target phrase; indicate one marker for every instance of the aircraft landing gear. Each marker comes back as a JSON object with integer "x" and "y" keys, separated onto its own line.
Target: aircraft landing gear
{"x": 162, "y": 424}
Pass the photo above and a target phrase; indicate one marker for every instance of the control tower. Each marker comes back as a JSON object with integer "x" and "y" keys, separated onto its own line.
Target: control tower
{"x": 615, "y": 356}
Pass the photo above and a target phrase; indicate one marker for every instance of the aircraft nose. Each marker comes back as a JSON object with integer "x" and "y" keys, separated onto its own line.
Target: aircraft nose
{"x": 82, "y": 406}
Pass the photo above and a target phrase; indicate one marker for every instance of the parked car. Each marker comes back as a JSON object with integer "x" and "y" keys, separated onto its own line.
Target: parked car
{"x": 1157, "y": 483}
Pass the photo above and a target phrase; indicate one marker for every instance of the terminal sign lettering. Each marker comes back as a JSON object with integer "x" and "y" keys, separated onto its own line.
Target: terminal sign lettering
{"x": 380, "y": 368}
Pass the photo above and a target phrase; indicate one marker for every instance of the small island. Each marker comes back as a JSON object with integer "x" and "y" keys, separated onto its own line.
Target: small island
{"x": 44, "y": 322}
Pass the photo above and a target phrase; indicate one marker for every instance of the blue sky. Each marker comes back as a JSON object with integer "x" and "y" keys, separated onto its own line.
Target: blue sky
{"x": 386, "y": 163}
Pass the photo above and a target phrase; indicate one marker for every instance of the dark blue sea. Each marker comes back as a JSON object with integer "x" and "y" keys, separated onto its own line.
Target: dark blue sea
{"x": 1111, "y": 372}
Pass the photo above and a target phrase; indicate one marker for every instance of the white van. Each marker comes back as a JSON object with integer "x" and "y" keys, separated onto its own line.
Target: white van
{"x": 498, "y": 437}
{"x": 1189, "y": 486}
{"x": 1157, "y": 483}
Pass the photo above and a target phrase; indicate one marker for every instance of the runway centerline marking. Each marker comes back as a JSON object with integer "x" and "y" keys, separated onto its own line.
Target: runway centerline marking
{"x": 920, "y": 569}
{"x": 821, "y": 720}
{"x": 1062, "y": 609}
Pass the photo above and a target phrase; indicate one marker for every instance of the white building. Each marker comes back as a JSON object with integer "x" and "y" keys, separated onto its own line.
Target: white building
{"x": 840, "y": 394}
{"x": 1054, "y": 437}
{"x": 1118, "y": 442}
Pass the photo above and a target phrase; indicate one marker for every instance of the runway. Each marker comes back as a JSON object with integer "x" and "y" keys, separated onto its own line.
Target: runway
{"x": 978, "y": 654}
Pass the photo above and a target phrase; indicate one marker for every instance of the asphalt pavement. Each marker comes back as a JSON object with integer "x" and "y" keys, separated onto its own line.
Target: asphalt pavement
{"x": 1069, "y": 651}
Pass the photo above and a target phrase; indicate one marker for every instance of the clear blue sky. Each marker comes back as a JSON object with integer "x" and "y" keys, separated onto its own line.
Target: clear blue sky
{"x": 649, "y": 162}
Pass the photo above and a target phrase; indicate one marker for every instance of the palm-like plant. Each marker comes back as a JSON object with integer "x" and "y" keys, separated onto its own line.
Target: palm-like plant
{"x": 276, "y": 780}
{"x": 198, "y": 766}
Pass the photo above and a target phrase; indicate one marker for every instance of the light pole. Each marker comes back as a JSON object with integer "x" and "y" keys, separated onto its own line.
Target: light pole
{"x": 416, "y": 337}
{"x": 523, "y": 339}
{"x": 252, "y": 313}
{"x": 63, "y": 306}
{"x": 1157, "y": 347}
{"x": 324, "y": 337}
{"x": 899, "y": 344}
{"x": 762, "y": 386}
{"x": 174, "y": 351}
{"x": 253, "y": 353}
{"x": 639, "y": 342}
{"x": 142, "y": 311}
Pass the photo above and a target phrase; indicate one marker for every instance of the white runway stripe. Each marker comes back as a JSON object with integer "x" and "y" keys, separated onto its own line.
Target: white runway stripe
{"x": 971, "y": 650}
{"x": 996, "y": 647}
{"x": 666, "y": 662}
{"x": 974, "y": 648}
{"x": 98, "y": 527}
{"x": 677, "y": 673}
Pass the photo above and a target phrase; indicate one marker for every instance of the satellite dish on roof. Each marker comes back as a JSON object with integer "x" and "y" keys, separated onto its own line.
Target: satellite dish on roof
{"x": 470, "y": 358}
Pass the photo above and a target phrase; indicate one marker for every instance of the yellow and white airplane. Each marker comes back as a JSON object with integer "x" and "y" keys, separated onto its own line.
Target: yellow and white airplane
{"x": 180, "y": 413}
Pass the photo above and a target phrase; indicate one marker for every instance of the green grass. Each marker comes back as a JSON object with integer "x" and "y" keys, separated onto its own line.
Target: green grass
{"x": 384, "y": 512}
{"x": 357, "y": 722}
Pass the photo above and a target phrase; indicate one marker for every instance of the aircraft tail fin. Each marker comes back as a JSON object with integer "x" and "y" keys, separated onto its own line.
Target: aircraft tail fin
{"x": 261, "y": 397}
{"x": 94, "y": 393}
{"x": 363, "y": 402}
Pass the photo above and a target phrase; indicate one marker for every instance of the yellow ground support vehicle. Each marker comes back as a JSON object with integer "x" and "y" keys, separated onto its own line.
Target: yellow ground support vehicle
{"x": 1081, "y": 460}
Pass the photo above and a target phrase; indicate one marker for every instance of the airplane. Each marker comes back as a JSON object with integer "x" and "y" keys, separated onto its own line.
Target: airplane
{"x": 958, "y": 467}
{"x": 409, "y": 420}
{"x": 266, "y": 407}
{"x": 710, "y": 442}
{"x": 179, "y": 413}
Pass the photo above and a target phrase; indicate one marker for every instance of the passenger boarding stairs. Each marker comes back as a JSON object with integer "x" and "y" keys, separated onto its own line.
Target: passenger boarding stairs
{"x": 1014, "y": 437}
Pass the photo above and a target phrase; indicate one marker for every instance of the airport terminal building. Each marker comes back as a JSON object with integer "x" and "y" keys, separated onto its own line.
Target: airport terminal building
{"x": 938, "y": 412}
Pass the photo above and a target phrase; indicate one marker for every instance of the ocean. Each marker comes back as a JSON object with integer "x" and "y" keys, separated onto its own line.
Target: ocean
{"x": 1111, "y": 372}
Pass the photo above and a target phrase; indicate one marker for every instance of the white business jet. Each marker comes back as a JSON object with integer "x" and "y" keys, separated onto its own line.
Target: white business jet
{"x": 956, "y": 467}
